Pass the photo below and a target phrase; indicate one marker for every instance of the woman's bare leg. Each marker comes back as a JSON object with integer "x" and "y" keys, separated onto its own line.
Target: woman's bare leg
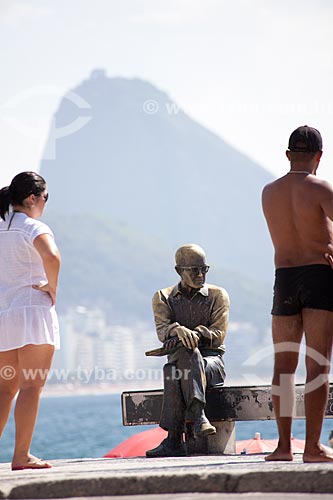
{"x": 34, "y": 363}
{"x": 8, "y": 384}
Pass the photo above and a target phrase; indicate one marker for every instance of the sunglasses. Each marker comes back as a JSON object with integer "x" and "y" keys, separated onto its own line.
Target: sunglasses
{"x": 197, "y": 269}
{"x": 45, "y": 197}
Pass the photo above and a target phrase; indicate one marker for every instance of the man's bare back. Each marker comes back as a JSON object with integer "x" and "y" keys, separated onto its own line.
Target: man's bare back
{"x": 299, "y": 212}
{"x": 298, "y": 208}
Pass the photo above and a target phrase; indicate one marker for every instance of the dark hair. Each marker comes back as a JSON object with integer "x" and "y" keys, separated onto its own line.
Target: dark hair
{"x": 22, "y": 186}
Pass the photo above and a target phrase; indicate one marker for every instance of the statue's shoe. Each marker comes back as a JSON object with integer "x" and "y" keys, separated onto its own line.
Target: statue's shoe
{"x": 165, "y": 450}
{"x": 203, "y": 427}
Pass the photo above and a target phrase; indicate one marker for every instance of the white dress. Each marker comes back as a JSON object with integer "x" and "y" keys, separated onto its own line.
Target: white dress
{"x": 26, "y": 315}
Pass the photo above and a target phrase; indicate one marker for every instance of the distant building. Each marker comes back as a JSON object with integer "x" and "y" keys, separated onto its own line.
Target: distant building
{"x": 99, "y": 352}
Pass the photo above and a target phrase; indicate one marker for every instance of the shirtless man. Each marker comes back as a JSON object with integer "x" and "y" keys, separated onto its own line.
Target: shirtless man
{"x": 298, "y": 209}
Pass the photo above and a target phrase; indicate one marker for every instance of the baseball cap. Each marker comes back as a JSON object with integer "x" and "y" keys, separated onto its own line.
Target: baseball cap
{"x": 305, "y": 140}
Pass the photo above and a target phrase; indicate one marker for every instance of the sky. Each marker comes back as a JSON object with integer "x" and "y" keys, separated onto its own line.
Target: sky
{"x": 251, "y": 71}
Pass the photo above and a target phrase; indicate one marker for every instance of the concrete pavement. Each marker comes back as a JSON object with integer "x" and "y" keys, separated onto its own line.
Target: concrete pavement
{"x": 220, "y": 496}
{"x": 140, "y": 476}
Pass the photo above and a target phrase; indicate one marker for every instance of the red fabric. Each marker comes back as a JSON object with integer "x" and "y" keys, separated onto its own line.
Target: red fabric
{"x": 137, "y": 445}
{"x": 258, "y": 445}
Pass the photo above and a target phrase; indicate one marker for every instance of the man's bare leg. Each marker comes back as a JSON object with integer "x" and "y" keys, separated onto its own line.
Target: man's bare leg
{"x": 285, "y": 329}
{"x": 318, "y": 326}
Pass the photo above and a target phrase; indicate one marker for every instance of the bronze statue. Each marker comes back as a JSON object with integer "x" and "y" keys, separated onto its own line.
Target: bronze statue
{"x": 191, "y": 320}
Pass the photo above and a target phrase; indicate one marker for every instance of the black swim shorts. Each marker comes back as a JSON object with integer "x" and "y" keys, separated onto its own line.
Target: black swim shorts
{"x": 301, "y": 287}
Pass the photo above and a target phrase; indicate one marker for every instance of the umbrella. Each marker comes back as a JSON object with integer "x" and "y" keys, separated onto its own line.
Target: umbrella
{"x": 259, "y": 445}
{"x": 137, "y": 445}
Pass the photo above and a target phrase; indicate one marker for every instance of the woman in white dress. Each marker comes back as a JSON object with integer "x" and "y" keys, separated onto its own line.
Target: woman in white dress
{"x": 29, "y": 332}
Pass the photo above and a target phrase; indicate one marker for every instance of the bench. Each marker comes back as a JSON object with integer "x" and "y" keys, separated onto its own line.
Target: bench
{"x": 225, "y": 406}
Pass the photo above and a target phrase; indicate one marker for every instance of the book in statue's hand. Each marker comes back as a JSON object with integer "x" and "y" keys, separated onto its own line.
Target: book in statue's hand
{"x": 169, "y": 346}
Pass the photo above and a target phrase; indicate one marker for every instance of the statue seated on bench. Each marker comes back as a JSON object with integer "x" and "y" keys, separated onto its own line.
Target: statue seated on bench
{"x": 191, "y": 320}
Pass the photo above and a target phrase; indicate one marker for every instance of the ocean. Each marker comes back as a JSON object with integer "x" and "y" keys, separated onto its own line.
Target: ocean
{"x": 90, "y": 426}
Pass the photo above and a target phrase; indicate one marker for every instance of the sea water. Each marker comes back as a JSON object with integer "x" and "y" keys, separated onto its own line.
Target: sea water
{"x": 90, "y": 426}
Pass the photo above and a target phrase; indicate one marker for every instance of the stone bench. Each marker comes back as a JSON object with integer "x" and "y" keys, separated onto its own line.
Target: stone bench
{"x": 225, "y": 405}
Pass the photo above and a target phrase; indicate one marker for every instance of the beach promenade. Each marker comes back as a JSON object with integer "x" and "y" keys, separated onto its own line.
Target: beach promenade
{"x": 236, "y": 474}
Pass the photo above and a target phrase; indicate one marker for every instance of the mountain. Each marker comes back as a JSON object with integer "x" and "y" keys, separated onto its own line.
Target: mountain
{"x": 110, "y": 266}
{"x": 160, "y": 173}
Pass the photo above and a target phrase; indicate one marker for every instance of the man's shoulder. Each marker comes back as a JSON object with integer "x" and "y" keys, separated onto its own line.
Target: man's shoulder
{"x": 267, "y": 192}
{"x": 215, "y": 290}
{"x": 212, "y": 291}
{"x": 272, "y": 185}
{"x": 169, "y": 290}
{"x": 311, "y": 186}
{"x": 165, "y": 292}
{"x": 312, "y": 180}
{"x": 319, "y": 183}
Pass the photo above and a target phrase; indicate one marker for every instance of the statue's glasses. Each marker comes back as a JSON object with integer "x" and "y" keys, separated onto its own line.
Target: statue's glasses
{"x": 197, "y": 269}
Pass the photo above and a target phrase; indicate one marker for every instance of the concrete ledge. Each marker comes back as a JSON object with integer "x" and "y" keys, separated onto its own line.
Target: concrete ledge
{"x": 105, "y": 477}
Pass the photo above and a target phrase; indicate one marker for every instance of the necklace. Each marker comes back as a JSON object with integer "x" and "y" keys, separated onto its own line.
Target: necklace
{"x": 299, "y": 172}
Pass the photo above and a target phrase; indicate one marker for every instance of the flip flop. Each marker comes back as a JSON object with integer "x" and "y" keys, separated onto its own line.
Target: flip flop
{"x": 37, "y": 464}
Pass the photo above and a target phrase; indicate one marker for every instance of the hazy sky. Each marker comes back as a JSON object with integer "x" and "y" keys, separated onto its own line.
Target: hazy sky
{"x": 249, "y": 70}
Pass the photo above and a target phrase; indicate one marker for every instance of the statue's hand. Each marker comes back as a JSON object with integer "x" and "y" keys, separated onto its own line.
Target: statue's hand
{"x": 171, "y": 343}
{"x": 329, "y": 259}
{"x": 189, "y": 338}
